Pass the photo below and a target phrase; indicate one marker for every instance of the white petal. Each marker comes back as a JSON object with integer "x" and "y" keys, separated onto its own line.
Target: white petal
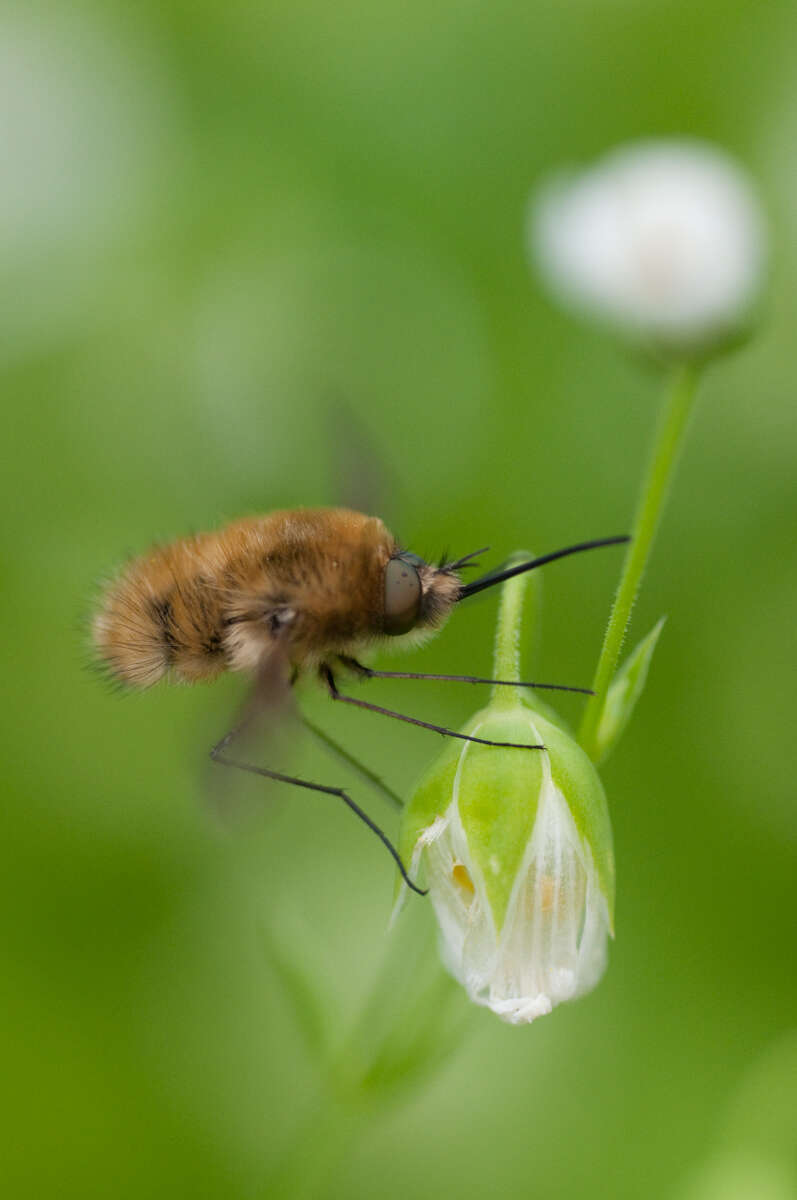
{"x": 553, "y": 942}
{"x": 467, "y": 933}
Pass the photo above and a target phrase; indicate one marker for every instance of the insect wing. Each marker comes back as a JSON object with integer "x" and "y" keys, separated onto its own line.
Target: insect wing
{"x": 264, "y": 733}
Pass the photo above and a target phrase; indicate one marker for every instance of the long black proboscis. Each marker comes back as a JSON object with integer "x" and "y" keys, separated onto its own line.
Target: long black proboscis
{"x": 486, "y": 581}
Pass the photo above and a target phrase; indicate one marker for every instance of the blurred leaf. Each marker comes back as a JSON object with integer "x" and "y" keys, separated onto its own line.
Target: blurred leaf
{"x": 429, "y": 1031}
{"x": 739, "y": 1175}
{"x": 303, "y": 996}
{"x": 761, "y": 1116}
{"x": 624, "y": 692}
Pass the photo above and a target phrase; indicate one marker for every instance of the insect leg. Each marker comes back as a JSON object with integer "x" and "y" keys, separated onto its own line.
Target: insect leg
{"x": 369, "y": 673}
{"x": 218, "y": 755}
{"x": 366, "y": 773}
{"x": 329, "y": 679}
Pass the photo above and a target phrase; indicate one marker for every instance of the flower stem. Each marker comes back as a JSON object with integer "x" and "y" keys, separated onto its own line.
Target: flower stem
{"x": 669, "y": 437}
{"x": 506, "y": 658}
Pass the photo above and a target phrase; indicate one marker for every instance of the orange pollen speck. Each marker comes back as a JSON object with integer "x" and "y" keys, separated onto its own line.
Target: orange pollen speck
{"x": 548, "y": 892}
{"x": 462, "y": 878}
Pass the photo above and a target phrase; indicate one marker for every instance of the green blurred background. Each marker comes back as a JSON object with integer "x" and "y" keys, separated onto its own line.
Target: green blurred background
{"x": 216, "y": 222}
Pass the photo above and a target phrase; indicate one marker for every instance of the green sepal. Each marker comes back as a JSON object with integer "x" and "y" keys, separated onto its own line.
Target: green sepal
{"x": 575, "y": 776}
{"x": 497, "y": 797}
{"x": 429, "y": 801}
{"x": 497, "y": 793}
{"x": 624, "y": 692}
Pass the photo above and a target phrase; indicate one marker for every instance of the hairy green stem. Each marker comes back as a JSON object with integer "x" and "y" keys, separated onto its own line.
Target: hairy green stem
{"x": 506, "y": 656}
{"x": 669, "y": 438}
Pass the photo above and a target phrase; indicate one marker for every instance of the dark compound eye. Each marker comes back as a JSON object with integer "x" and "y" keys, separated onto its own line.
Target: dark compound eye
{"x": 402, "y": 596}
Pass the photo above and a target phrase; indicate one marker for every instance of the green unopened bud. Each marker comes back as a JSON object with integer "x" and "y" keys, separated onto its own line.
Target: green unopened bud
{"x": 516, "y": 848}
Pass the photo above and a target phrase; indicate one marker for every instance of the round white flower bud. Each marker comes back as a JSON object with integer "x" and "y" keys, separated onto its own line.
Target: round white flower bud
{"x": 665, "y": 238}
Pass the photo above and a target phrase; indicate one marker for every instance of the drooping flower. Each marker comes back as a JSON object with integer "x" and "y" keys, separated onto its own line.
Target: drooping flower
{"x": 515, "y": 846}
{"x": 663, "y": 238}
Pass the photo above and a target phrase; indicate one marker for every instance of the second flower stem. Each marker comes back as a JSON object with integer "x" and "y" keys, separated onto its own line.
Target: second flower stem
{"x": 672, "y": 426}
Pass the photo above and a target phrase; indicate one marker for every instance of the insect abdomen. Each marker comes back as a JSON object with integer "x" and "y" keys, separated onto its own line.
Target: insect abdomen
{"x": 162, "y": 616}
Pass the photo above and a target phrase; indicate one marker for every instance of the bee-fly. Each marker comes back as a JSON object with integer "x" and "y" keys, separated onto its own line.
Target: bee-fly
{"x": 277, "y": 596}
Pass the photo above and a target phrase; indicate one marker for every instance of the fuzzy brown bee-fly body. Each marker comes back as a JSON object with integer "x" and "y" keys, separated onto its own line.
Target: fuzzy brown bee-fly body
{"x": 321, "y": 583}
{"x": 277, "y": 596}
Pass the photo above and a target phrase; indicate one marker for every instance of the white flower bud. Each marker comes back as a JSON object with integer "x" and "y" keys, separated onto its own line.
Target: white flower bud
{"x": 663, "y": 238}
{"x": 517, "y": 853}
